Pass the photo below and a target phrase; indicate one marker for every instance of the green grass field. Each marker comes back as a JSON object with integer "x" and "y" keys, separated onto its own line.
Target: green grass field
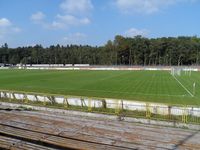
{"x": 151, "y": 86}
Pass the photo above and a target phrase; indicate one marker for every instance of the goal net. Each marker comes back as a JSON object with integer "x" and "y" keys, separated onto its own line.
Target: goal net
{"x": 185, "y": 73}
{"x": 178, "y": 71}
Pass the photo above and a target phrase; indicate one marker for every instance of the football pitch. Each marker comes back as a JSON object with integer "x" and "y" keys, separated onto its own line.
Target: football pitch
{"x": 148, "y": 86}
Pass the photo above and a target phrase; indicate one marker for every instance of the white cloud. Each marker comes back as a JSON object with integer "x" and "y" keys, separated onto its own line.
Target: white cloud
{"x": 75, "y": 38}
{"x": 56, "y": 25}
{"x": 16, "y": 29}
{"x": 72, "y": 20}
{"x": 74, "y": 13}
{"x": 7, "y": 28}
{"x": 134, "y": 32}
{"x": 4, "y": 22}
{"x": 64, "y": 22}
{"x": 76, "y": 6}
{"x": 145, "y": 6}
{"x": 38, "y": 17}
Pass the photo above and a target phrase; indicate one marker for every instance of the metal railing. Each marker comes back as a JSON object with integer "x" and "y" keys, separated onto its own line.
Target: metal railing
{"x": 182, "y": 114}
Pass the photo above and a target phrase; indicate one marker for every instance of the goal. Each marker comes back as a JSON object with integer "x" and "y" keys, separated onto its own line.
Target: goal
{"x": 178, "y": 71}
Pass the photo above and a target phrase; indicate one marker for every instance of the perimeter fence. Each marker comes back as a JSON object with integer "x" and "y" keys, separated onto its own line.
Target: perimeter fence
{"x": 121, "y": 108}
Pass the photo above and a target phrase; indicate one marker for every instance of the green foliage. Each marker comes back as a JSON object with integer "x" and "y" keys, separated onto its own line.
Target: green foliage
{"x": 121, "y": 51}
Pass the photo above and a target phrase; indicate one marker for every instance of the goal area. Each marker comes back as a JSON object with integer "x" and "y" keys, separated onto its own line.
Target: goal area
{"x": 178, "y": 71}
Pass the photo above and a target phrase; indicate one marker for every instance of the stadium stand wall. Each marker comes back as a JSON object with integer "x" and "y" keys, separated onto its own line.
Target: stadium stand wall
{"x": 153, "y": 108}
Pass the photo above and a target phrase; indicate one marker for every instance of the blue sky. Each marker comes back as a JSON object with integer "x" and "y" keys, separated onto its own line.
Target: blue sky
{"x": 93, "y": 22}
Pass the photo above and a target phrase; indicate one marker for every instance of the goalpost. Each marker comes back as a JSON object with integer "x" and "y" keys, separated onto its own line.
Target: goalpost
{"x": 178, "y": 71}
{"x": 188, "y": 71}
{"x": 185, "y": 71}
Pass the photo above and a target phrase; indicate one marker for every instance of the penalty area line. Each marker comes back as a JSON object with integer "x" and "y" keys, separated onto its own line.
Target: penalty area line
{"x": 183, "y": 86}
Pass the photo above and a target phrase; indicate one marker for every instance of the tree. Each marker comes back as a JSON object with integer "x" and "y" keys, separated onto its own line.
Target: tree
{"x": 121, "y": 51}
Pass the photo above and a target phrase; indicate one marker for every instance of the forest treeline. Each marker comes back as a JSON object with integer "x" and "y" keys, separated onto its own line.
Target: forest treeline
{"x": 121, "y": 51}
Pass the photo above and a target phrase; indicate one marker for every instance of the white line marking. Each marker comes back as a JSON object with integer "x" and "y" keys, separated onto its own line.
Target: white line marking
{"x": 183, "y": 86}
